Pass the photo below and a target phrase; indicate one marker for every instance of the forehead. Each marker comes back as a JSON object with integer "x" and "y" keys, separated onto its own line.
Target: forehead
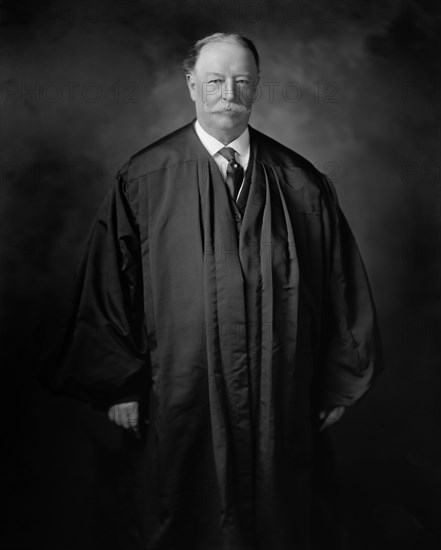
{"x": 225, "y": 56}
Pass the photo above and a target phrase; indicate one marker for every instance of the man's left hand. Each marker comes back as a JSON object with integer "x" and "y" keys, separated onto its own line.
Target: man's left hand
{"x": 327, "y": 418}
{"x": 126, "y": 415}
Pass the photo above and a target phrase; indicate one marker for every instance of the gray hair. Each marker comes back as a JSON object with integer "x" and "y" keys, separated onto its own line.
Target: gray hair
{"x": 192, "y": 56}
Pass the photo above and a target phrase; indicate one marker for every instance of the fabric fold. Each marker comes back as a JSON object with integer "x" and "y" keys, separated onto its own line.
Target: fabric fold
{"x": 238, "y": 322}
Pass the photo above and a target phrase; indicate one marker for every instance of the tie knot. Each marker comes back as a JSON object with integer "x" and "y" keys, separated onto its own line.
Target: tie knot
{"x": 228, "y": 153}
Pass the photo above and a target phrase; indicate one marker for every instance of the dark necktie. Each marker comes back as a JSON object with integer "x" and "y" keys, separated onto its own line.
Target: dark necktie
{"x": 234, "y": 171}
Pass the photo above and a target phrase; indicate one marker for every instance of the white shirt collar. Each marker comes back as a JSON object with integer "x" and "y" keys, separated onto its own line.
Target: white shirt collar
{"x": 241, "y": 144}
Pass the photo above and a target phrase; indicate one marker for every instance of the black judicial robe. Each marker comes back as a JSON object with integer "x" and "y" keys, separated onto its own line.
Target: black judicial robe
{"x": 235, "y": 330}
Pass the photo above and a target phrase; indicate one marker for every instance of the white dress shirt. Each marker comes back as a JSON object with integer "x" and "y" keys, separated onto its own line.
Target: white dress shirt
{"x": 241, "y": 145}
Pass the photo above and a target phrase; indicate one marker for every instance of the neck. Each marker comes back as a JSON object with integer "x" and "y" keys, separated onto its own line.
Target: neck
{"x": 225, "y": 136}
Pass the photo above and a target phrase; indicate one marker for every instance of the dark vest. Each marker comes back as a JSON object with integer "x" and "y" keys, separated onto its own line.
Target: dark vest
{"x": 239, "y": 207}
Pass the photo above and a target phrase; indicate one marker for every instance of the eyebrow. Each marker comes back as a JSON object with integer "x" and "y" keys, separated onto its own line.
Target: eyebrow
{"x": 237, "y": 76}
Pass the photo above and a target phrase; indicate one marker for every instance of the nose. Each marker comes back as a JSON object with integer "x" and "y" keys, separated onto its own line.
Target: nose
{"x": 228, "y": 90}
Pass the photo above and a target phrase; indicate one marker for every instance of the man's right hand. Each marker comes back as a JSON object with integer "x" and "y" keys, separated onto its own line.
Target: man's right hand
{"x": 126, "y": 415}
{"x": 327, "y": 418}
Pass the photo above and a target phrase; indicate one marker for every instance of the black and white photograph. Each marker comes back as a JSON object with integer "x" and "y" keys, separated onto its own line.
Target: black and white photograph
{"x": 220, "y": 229}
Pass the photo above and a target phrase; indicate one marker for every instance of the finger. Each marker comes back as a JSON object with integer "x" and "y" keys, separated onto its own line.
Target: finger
{"x": 135, "y": 431}
{"x": 127, "y": 426}
{"x": 327, "y": 418}
{"x": 130, "y": 422}
{"x": 332, "y": 417}
{"x": 336, "y": 414}
{"x": 123, "y": 420}
{"x": 131, "y": 415}
{"x": 118, "y": 415}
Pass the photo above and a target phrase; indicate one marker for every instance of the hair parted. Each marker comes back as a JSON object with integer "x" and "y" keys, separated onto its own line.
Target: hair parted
{"x": 240, "y": 39}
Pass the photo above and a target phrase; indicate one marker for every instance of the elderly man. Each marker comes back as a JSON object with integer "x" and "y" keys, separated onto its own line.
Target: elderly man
{"x": 222, "y": 299}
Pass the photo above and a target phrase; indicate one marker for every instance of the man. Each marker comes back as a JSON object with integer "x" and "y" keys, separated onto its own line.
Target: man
{"x": 223, "y": 294}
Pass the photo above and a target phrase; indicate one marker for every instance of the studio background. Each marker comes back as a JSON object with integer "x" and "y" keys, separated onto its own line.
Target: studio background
{"x": 352, "y": 86}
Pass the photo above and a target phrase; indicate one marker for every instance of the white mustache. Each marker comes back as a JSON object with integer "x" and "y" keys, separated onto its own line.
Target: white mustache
{"x": 222, "y": 107}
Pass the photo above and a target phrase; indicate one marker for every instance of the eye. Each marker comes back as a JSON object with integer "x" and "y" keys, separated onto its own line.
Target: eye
{"x": 243, "y": 82}
{"x": 217, "y": 81}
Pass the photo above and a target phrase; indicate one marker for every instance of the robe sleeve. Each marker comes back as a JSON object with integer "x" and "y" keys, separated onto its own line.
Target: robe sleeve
{"x": 352, "y": 355}
{"x": 104, "y": 359}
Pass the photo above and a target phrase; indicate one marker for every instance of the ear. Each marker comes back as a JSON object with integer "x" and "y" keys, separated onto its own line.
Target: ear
{"x": 191, "y": 83}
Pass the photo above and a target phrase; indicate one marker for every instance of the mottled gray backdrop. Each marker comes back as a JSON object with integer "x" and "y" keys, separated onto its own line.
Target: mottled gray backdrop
{"x": 353, "y": 86}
